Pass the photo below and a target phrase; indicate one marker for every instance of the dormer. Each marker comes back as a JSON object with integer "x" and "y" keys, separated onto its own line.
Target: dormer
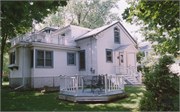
{"x": 48, "y": 30}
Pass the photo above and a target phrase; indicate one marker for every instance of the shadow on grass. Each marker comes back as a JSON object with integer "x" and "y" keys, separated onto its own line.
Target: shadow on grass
{"x": 34, "y": 101}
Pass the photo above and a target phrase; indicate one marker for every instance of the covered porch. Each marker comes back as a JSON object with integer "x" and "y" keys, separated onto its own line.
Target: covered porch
{"x": 125, "y": 57}
{"x": 73, "y": 88}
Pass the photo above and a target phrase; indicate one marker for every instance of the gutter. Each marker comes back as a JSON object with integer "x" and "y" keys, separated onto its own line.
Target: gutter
{"x": 22, "y": 70}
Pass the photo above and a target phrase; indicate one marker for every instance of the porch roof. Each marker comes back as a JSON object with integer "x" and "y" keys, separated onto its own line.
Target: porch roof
{"x": 122, "y": 47}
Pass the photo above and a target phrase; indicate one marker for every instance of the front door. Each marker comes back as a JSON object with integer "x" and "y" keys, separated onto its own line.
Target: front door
{"x": 131, "y": 60}
{"x": 119, "y": 63}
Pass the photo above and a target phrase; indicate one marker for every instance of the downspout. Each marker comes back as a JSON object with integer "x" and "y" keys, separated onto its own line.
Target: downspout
{"x": 22, "y": 71}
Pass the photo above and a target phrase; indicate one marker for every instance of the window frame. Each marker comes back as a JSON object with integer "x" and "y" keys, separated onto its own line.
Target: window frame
{"x": 44, "y": 58}
{"x": 68, "y": 58}
{"x": 115, "y": 37}
{"x": 84, "y": 60}
{"x": 111, "y": 56}
{"x": 12, "y": 58}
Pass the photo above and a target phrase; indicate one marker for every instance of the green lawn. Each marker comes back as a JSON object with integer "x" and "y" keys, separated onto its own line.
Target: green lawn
{"x": 34, "y": 101}
{"x": 5, "y": 83}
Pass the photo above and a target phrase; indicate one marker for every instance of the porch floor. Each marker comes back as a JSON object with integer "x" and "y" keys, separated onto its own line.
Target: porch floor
{"x": 88, "y": 96}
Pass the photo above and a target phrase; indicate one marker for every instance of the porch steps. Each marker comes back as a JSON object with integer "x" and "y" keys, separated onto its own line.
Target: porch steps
{"x": 129, "y": 80}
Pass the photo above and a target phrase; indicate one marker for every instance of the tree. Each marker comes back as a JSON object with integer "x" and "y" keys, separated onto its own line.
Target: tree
{"x": 160, "y": 23}
{"x": 18, "y": 18}
{"x": 86, "y": 13}
{"x": 162, "y": 88}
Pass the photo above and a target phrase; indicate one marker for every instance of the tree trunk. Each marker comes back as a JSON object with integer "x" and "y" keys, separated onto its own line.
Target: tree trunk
{"x": 3, "y": 43}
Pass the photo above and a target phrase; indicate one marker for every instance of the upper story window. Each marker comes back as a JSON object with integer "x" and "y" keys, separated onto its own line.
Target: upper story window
{"x": 116, "y": 35}
{"x": 44, "y": 59}
{"x": 47, "y": 31}
{"x": 109, "y": 55}
{"x": 63, "y": 34}
{"x": 12, "y": 58}
{"x": 71, "y": 58}
{"x": 82, "y": 60}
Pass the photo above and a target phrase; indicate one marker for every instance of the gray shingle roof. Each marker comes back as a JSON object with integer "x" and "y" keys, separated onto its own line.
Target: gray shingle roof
{"x": 145, "y": 47}
{"x": 100, "y": 29}
{"x": 122, "y": 47}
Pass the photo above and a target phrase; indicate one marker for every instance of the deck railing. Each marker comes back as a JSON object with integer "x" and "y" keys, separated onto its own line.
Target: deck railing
{"x": 73, "y": 83}
{"x": 70, "y": 83}
{"x": 114, "y": 83}
{"x": 44, "y": 38}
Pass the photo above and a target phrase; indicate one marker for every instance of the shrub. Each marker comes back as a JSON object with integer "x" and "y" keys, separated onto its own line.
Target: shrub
{"x": 5, "y": 78}
{"x": 162, "y": 88}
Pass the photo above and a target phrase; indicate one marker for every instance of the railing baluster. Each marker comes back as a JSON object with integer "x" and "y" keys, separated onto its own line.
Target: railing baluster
{"x": 76, "y": 76}
{"x": 109, "y": 83}
{"x": 106, "y": 88}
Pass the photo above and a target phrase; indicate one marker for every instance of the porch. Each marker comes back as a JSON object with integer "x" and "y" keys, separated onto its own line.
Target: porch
{"x": 72, "y": 89}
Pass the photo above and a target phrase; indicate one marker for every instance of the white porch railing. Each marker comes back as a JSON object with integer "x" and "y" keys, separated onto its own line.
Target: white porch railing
{"x": 133, "y": 73}
{"x": 129, "y": 71}
{"x": 45, "y": 38}
{"x": 70, "y": 83}
{"x": 73, "y": 83}
{"x": 114, "y": 83}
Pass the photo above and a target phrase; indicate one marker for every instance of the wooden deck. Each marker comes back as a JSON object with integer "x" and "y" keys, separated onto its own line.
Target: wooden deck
{"x": 88, "y": 96}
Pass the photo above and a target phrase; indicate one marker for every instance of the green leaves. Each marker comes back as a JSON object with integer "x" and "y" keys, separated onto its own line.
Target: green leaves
{"x": 162, "y": 86}
{"x": 156, "y": 18}
{"x": 89, "y": 14}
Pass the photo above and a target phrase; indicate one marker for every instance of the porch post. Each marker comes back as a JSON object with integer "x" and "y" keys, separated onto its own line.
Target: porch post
{"x": 124, "y": 68}
{"x": 76, "y": 84}
{"x": 82, "y": 83}
{"x": 65, "y": 82}
{"x": 106, "y": 91}
{"x": 140, "y": 77}
{"x": 60, "y": 83}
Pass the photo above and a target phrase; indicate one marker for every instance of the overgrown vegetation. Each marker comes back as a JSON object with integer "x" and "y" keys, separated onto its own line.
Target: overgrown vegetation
{"x": 34, "y": 101}
{"x": 5, "y": 78}
{"x": 162, "y": 87}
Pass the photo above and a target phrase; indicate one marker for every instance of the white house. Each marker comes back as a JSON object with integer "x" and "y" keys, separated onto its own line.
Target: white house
{"x": 39, "y": 58}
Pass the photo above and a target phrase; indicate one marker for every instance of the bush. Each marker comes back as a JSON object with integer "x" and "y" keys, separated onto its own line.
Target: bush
{"x": 5, "y": 78}
{"x": 162, "y": 88}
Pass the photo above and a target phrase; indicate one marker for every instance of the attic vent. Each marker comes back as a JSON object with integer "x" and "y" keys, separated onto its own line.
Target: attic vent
{"x": 63, "y": 34}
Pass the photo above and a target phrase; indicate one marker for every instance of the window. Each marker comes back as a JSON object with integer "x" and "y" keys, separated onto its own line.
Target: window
{"x": 146, "y": 53}
{"x": 47, "y": 31}
{"x": 116, "y": 35}
{"x": 109, "y": 55}
{"x": 82, "y": 60}
{"x": 63, "y": 34}
{"x": 12, "y": 58}
{"x": 71, "y": 58}
{"x": 44, "y": 59}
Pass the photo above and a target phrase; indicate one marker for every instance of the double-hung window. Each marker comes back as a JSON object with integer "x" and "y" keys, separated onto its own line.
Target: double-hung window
{"x": 116, "y": 35}
{"x": 12, "y": 58}
{"x": 71, "y": 58}
{"x": 109, "y": 55}
{"x": 82, "y": 60}
{"x": 44, "y": 59}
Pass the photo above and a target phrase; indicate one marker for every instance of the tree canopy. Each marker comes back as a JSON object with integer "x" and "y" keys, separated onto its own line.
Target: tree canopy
{"x": 18, "y": 17}
{"x": 86, "y": 13}
{"x": 160, "y": 23}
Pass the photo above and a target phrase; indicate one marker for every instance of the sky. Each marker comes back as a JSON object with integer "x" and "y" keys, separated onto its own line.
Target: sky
{"x": 130, "y": 28}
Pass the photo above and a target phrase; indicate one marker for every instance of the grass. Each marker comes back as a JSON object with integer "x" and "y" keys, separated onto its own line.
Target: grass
{"x": 5, "y": 82}
{"x": 34, "y": 101}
